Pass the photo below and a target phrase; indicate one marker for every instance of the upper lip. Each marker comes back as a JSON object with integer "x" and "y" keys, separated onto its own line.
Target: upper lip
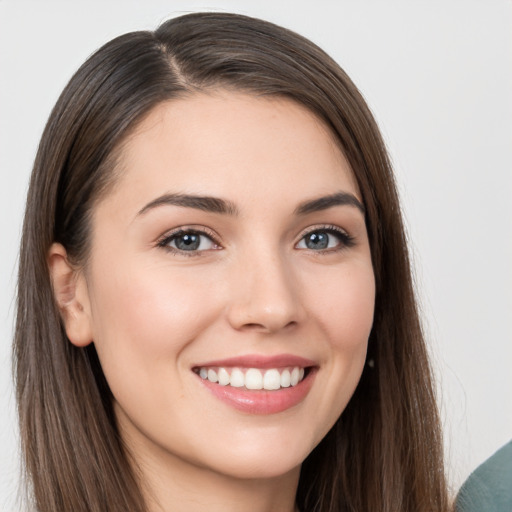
{"x": 260, "y": 361}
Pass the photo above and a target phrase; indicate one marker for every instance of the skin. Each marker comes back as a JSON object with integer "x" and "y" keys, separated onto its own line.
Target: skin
{"x": 257, "y": 289}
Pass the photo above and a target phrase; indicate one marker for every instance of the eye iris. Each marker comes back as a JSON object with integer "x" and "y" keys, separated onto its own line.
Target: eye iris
{"x": 188, "y": 242}
{"x": 317, "y": 240}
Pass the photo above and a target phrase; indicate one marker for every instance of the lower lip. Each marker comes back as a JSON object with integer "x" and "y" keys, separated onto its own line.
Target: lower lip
{"x": 262, "y": 401}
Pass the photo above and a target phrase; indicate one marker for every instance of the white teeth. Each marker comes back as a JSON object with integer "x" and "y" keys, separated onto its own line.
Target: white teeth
{"x": 272, "y": 380}
{"x": 294, "y": 378}
{"x": 254, "y": 378}
{"x": 223, "y": 377}
{"x": 237, "y": 378}
{"x": 285, "y": 379}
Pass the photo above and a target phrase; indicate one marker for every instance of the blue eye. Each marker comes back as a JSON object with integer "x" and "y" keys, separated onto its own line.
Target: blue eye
{"x": 324, "y": 239}
{"x": 188, "y": 241}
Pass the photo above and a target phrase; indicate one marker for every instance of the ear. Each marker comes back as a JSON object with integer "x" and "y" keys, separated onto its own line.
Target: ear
{"x": 72, "y": 297}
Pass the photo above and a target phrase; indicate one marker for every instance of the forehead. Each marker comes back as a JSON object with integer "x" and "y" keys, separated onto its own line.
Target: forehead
{"x": 226, "y": 143}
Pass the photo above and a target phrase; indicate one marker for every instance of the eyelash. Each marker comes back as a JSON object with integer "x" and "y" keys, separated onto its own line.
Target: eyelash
{"x": 345, "y": 240}
{"x": 170, "y": 237}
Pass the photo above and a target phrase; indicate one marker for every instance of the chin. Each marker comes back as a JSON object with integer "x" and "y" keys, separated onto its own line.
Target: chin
{"x": 262, "y": 460}
{"x": 260, "y": 469}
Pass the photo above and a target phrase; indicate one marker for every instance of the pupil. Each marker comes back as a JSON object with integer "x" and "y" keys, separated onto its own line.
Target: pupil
{"x": 188, "y": 242}
{"x": 317, "y": 241}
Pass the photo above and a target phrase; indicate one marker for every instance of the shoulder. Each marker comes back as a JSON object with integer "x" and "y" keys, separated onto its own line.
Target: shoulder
{"x": 489, "y": 487}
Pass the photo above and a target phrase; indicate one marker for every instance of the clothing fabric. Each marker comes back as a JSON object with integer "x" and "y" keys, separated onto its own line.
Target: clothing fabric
{"x": 489, "y": 487}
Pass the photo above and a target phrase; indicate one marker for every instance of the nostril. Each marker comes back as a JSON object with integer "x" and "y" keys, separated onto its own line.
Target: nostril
{"x": 253, "y": 326}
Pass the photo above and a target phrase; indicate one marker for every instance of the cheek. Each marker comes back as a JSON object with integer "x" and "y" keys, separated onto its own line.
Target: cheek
{"x": 346, "y": 316}
{"x": 144, "y": 322}
{"x": 342, "y": 304}
{"x": 345, "y": 307}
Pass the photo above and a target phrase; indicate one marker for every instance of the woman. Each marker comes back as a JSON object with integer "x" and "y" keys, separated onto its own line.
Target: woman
{"x": 224, "y": 312}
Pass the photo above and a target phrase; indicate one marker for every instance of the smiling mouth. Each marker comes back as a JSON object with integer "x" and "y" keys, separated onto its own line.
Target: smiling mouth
{"x": 271, "y": 379}
{"x": 258, "y": 384}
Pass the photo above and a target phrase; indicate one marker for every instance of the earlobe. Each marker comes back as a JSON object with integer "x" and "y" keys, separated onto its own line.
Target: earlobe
{"x": 71, "y": 295}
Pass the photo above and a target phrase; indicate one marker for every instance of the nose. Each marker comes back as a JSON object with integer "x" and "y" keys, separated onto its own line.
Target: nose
{"x": 264, "y": 296}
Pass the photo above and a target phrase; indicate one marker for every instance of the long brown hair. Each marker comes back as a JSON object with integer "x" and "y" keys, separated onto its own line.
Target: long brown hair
{"x": 384, "y": 453}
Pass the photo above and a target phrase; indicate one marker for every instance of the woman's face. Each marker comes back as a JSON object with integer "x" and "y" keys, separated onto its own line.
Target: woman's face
{"x": 233, "y": 248}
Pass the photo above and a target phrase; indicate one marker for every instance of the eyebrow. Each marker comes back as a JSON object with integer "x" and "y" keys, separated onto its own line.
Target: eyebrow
{"x": 325, "y": 202}
{"x": 205, "y": 203}
{"x": 223, "y": 206}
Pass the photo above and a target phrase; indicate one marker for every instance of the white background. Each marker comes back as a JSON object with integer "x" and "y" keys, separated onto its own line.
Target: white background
{"x": 438, "y": 76}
